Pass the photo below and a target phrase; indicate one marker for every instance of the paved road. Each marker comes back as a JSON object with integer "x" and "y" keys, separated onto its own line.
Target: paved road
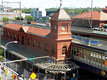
{"x": 9, "y": 75}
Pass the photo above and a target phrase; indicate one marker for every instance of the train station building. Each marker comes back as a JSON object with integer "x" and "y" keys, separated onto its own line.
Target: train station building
{"x": 36, "y": 42}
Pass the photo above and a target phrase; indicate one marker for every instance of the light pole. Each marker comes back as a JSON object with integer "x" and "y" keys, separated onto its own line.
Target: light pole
{"x": 5, "y": 53}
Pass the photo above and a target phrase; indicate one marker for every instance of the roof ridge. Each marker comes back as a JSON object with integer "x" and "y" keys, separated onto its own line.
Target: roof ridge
{"x": 28, "y": 29}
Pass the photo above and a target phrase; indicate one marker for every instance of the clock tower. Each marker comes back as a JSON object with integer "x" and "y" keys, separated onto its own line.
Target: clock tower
{"x": 61, "y": 25}
{"x": 61, "y": 33}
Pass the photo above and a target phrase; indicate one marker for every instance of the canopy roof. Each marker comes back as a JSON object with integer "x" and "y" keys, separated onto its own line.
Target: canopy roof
{"x": 56, "y": 67}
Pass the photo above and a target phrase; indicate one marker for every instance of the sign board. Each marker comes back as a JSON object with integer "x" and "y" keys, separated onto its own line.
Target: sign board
{"x": 6, "y": 71}
{"x": 33, "y": 76}
{"x": 103, "y": 73}
{"x": 106, "y": 63}
{"x": 0, "y": 78}
{"x": 12, "y": 75}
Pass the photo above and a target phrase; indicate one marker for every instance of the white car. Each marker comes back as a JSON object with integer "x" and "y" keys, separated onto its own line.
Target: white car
{"x": 20, "y": 78}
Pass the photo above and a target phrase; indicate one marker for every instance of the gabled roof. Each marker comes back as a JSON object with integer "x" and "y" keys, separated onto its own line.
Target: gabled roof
{"x": 87, "y": 15}
{"x": 38, "y": 31}
{"x": 28, "y": 29}
{"x": 13, "y": 26}
{"x": 96, "y": 15}
{"x": 25, "y": 28}
{"x": 104, "y": 9}
{"x": 61, "y": 15}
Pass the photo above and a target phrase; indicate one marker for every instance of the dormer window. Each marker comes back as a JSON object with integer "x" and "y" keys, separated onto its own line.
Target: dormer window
{"x": 63, "y": 28}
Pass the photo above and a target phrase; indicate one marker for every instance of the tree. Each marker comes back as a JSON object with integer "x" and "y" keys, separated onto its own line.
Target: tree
{"x": 29, "y": 18}
{"x": 19, "y": 18}
{"x": 5, "y": 19}
{"x": 1, "y": 53}
{"x": 27, "y": 11}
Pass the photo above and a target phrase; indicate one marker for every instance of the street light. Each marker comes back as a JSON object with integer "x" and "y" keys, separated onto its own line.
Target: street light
{"x": 5, "y": 53}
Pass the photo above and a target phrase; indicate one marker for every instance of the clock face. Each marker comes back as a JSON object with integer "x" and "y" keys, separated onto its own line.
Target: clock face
{"x": 63, "y": 28}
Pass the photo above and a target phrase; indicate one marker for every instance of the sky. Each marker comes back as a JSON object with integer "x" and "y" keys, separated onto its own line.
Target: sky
{"x": 56, "y": 3}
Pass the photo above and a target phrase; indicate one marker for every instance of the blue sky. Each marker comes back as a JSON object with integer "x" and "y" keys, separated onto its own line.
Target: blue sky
{"x": 55, "y": 3}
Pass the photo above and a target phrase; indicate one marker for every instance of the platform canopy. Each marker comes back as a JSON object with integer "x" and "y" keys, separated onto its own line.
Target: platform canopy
{"x": 56, "y": 67}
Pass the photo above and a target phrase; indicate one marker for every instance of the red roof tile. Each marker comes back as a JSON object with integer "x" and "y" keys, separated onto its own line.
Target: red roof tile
{"x": 38, "y": 31}
{"x": 32, "y": 30}
{"x": 104, "y": 9}
{"x": 87, "y": 15}
{"x": 13, "y": 26}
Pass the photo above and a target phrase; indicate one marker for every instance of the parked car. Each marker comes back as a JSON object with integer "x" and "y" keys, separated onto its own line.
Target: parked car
{"x": 104, "y": 27}
{"x": 20, "y": 77}
{"x": 98, "y": 28}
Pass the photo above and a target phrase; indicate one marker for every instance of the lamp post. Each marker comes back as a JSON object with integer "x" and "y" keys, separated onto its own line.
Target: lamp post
{"x": 5, "y": 53}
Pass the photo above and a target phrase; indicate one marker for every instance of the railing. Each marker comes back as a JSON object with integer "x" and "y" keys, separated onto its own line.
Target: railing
{"x": 85, "y": 40}
{"x": 92, "y": 63}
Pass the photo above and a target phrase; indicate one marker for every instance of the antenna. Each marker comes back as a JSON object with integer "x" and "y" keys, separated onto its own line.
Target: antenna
{"x": 60, "y": 3}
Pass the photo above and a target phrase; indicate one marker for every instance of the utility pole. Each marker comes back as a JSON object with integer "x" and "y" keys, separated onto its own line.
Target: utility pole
{"x": 60, "y": 4}
{"x": 91, "y": 23}
{"x": 2, "y": 3}
{"x": 20, "y": 9}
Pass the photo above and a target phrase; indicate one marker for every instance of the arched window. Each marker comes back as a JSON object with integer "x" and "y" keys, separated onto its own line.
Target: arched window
{"x": 34, "y": 43}
{"x": 23, "y": 40}
{"x": 39, "y": 45}
{"x": 28, "y": 41}
{"x": 53, "y": 50}
{"x": 46, "y": 47}
{"x": 14, "y": 37}
{"x": 18, "y": 38}
{"x": 64, "y": 50}
{"x": 8, "y": 34}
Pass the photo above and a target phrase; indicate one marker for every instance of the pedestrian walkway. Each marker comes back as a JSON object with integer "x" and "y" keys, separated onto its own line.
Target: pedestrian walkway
{"x": 7, "y": 75}
{"x": 10, "y": 74}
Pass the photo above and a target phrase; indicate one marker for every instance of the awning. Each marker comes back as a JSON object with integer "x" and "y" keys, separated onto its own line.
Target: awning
{"x": 56, "y": 67}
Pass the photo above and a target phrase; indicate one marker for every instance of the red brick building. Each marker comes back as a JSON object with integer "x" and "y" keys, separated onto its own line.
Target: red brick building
{"x": 98, "y": 19}
{"x": 105, "y": 9}
{"x": 55, "y": 42}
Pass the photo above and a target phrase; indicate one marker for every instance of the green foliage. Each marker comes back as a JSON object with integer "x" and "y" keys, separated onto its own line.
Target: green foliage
{"x": 19, "y": 18}
{"x": 43, "y": 19}
{"x": 52, "y": 9}
{"x": 5, "y": 19}
{"x": 1, "y": 51}
{"x": 77, "y": 10}
{"x": 1, "y": 58}
{"x": 27, "y": 11}
{"x": 1, "y": 54}
{"x": 29, "y": 18}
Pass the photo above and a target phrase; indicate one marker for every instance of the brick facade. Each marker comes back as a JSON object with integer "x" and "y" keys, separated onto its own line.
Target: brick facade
{"x": 55, "y": 42}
